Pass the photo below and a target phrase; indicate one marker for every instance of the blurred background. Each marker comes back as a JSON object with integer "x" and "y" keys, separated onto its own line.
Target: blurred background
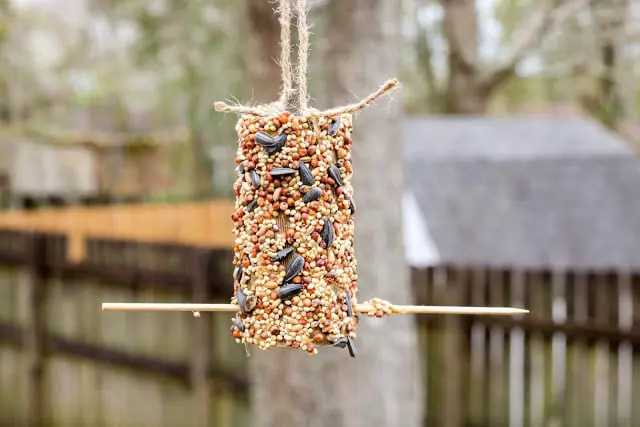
{"x": 519, "y": 128}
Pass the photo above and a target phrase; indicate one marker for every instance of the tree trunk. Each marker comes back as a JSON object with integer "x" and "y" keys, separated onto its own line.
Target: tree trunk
{"x": 263, "y": 50}
{"x": 610, "y": 21}
{"x": 381, "y": 387}
{"x": 466, "y": 92}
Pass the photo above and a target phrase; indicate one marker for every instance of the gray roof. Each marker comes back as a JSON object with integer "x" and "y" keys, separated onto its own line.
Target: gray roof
{"x": 509, "y": 138}
{"x": 525, "y": 192}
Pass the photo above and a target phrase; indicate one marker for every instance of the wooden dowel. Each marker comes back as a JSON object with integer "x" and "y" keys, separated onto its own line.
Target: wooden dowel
{"x": 361, "y": 308}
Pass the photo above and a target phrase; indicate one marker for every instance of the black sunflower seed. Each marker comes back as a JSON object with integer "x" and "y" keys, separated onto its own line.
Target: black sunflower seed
{"x": 305, "y": 174}
{"x": 240, "y": 168}
{"x": 237, "y": 273}
{"x": 265, "y": 140}
{"x": 294, "y": 268}
{"x": 352, "y": 347}
{"x": 333, "y": 127}
{"x": 289, "y": 291}
{"x": 252, "y": 205}
{"x": 282, "y": 171}
{"x": 280, "y": 255}
{"x": 334, "y": 173}
{"x": 242, "y": 301}
{"x": 238, "y": 322}
{"x": 313, "y": 194}
{"x": 349, "y": 305}
{"x": 255, "y": 178}
{"x": 352, "y": 207}
{"x": 269, "y": 143}
{"x": 281, "y": 139}
{"x": 327, "y": 233}
{"x": 273, "y": 150}
{"x": 340, "y": 342}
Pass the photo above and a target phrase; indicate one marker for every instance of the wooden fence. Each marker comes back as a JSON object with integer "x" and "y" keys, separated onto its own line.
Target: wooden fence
{"x": 63, "y": 362}
{"x": 572, "y": 362}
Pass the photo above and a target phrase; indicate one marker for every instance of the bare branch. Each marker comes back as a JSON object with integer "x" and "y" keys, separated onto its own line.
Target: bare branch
{"x": 552, "y": 15}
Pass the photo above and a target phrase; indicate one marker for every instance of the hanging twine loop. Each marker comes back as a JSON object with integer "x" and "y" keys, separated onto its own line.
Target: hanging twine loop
{"x": 294, "y": 96}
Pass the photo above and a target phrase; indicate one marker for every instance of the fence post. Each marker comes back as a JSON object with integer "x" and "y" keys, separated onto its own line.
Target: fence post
{"x": 449, "y": 286}
{"x": 34, "y": 329}
{"x": 202, "y": 340}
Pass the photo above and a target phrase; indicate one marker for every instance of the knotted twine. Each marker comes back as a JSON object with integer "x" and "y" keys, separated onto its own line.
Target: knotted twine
{"x": 295, "y": 278}
{"x": 294, "y": 82}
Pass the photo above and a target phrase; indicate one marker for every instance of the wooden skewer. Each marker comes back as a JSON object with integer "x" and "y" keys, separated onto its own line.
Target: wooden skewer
{"x": 360, "y": 308}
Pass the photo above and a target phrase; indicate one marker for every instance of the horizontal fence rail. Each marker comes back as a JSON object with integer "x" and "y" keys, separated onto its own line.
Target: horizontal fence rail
{"x": 204, "y": 224}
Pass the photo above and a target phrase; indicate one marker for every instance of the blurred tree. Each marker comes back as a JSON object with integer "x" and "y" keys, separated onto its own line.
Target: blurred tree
{"x": 467, "y": 82}
{"x": 609, "y": 25}
{"x": 381, "y": 387}
{"x": 5, "y": 23}
{"x": 188, "y": 49}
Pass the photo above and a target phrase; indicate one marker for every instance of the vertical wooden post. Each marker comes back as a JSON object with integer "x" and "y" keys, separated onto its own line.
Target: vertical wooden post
{"x": 452, "y": 354}
{"x": 559, "y": 348}
{"x": 580, "y": 380}
{"x": 34, "y": 330}
{"x": 537, "y": 290}
{"x": 516, "y": 406}
{"x": 625, "y": 352}
{"x": 202, "y": 334}
{"x": 498, "y": 396}
{"x": 478, "y": 401}
{"x": 601, "y": 396}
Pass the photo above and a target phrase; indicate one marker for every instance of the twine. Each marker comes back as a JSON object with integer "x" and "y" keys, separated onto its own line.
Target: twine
{"x": 303, "y": 55}
{"x": 296, "y": 82}
{"x": 286, "y": 96}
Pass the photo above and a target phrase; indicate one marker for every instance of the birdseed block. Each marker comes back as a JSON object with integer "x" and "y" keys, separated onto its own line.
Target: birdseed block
{"x": 295, "y": 280}
{"x": 295, "y": 268}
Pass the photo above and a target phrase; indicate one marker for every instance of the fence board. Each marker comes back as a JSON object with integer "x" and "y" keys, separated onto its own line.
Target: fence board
{"x": 517, "y": 356}
{"x": 601, "y": 353}
{"x": 478, "y": 353}
{"x": 558, "y": 349}
{"x": 497, "y": 385}
{"x": 625, "y": 352}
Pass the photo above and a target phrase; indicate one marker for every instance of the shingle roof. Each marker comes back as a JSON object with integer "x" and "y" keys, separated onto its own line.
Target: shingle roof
{"x": 524, "y": 192}
{"x": 509, "y": 138}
